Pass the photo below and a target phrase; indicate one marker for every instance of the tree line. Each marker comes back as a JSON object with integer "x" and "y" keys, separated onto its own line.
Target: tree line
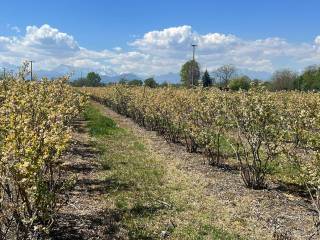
{"x": 227, "y": 77}
{"x": 94, "y": 80}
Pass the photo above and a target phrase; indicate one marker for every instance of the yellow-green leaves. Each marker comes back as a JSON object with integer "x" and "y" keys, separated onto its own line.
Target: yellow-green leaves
{"x": 259, "y": 125}
{"x": 34, "y": 131}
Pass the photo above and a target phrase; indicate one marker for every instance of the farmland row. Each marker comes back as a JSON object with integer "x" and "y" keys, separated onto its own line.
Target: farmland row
{"x": 262, "y": 130}
{"x": 34, "y": 131}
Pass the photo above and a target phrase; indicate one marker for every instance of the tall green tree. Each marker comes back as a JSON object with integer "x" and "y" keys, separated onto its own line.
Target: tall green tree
{"x": 310, "y": 79}
{"x": 150, "y": 82}
{"x": 190, "y": 73}
{"x": 93, "y": 79}
{"x": 123, "y": 81}
{"x": 206, "y": 79}
{"x": 164, "y": 84}
{"x": 238, "y": 83}
{"x": 135, "y": 82}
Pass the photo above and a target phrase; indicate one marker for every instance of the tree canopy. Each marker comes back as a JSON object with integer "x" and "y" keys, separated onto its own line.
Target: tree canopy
{"x": 310, "y": 79}
{"x": 135, "y": 82}
{"x": 92, "y": 80}
{"x": 284, "y": 79}
{"x": 225, "y": 73}
{"x": 206, "y": 79}
{"x": 150, "y": 82}
{"x": 238, "y": 83}
{"x": 190, "y": 73}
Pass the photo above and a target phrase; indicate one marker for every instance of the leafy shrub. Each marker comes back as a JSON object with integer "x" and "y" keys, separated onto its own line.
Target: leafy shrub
{"x": 261, "y": 126}
{"x": 34, "y": 130}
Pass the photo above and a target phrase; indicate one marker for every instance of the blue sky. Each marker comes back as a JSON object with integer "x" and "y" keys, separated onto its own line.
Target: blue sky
{"x": 112, "y": 36}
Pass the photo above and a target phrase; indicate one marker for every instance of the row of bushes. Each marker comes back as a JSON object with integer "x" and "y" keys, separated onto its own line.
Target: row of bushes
{"x": 258, "y": 125}
{"x": 263, "y": 129}
{"x": 34, "y": 131}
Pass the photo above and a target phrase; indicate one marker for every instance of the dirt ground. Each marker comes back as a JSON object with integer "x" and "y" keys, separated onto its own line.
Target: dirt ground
{"x": 255, "y": 214}
{"x": 85, "y": 215}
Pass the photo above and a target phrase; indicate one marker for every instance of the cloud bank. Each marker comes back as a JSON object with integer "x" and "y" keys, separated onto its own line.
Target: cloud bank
{"x": 157, "y": 52}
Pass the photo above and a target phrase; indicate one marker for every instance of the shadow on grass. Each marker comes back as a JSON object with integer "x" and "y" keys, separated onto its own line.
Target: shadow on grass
{"x": 77, "y": 225}
{"x": 84, "y": 150}
{"x": 115, "y": 185}
{"x": 103, "y": 225}
{"x": 234, "y": 169}
{"x": 79, "y": 126}
{"x": 79, "y": 167}
{"x": 293, "y": 189}
{"x": 140, "y": 210}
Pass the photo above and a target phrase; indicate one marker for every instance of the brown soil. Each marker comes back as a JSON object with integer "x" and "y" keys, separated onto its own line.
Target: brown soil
{"x": 85, "y": 215}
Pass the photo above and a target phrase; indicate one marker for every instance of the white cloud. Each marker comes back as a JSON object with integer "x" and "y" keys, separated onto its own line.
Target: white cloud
{"x": 180, "y": 38}
{"x": 49, "y": 41}
{"x": 4, "y": 42}
{"x": 118, "y": 49}
{"x": 166, "y": 38}
{"x": 44, "y": 44}
{"x": 212, "y": 39}
{"x": 215, "y": 49}
{"x": 15, "y": 29}
{"x": 317, "y": 40}
{"x": 157, "y": 52}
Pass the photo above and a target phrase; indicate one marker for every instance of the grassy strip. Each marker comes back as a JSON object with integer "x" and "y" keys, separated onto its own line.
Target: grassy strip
{"x": 97, "y": 124}
{"x": 155, "y": 199}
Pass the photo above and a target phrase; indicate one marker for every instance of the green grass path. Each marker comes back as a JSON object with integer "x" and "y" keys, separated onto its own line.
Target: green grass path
{"x": 155, "y": 199}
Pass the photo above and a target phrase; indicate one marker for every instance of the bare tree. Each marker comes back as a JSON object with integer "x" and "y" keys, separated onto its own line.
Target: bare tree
{"x": 284, "y": 79}
{"x": 225, "y": 73}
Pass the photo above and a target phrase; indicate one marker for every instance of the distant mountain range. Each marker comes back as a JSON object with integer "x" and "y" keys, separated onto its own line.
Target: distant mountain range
{"x": 169, "y": 77}
{"x": 111, "y": 76}
{"x": 261, "y": 75}
{"x": 117, "y": 78}
{"x": 175, "y": 77}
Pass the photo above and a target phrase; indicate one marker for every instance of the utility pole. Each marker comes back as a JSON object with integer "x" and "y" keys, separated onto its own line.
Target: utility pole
{"x": 194, "y": 49}
{"x": 192, "y": 68}
{"x": 4, "y": 73}
{"x": 31, "y": 68}
{"x": 81, "y": 75}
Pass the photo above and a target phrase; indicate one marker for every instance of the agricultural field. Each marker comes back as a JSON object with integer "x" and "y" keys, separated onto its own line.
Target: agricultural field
{"x": 127, "y": 162}
{"x": 160, "y": 120}
{"x": 265, "y": 133}
{"x": 271, "y": 139}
